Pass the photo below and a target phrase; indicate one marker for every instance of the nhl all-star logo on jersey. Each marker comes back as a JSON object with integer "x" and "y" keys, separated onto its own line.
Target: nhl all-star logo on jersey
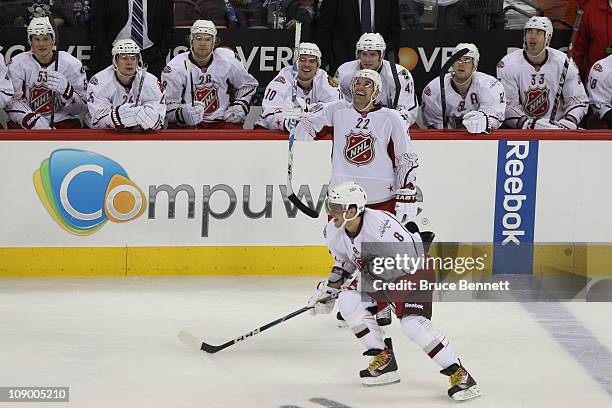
{"x": 536, "y": 103}
{"x": 359, "y": 148}
{"x": 41, "y": 99}
{"x": 208, "y": 96}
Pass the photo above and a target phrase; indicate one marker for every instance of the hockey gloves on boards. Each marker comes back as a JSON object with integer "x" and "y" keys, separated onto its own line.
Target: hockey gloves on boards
{"x": 476, "y": 122}
{"x": 192, "y": 115}
{"x": 234, "y": 114}
{"x": 323, "y": 290}
{"x": 148, "y": 119}
{"x": 128, "y": 115}
{"x": 406, "y": 203}
{"x": 536, "y": 123}
{"x": 293, "y": 110}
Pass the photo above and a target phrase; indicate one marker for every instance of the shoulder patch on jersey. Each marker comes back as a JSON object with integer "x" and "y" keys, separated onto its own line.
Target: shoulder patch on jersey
{"x": 167, "y": 69}
{"x": 427, "y": 91}
{"x": 280, "y": 79}
{"x": 332, "y": 81}
{"x": 405, "y": 74}
{"x": 493, "y": 83}
{"x": 93, "y": 81}
{"x": 237, "y": 56}
{"x": 597, "y": 67}
{"x": 500, "y": 64}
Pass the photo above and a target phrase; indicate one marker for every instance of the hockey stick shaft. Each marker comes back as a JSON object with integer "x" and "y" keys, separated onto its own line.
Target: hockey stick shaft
{"x": 55, "y": 66}
{"x": 443, "y": 73}
{"x": 568, "y": 59}
{"x": 209, "y": 348}
{"x": 292, "y": 124}
{"x": 188, "y": 68}
{"x": 143, "y": 74}
{"x": 396, "y": 80}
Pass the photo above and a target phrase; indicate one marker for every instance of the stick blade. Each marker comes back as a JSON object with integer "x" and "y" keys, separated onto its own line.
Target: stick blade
{"x": 303, "y": 207}
{"x": 190, "y": 340}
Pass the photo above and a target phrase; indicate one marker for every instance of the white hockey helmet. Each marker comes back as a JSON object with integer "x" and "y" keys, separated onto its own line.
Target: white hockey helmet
{"x": 473, "y": 52}
{"x": 369, "y": 74}
{"x": 541, "y": 23}
{"x": 344, "y": 195}
{"x": 40, "y": 26}
{"x": 126, "y": 46}
{"x": 307, "y": 48}
{"x": 371, "y": 42}
{"x": 202, "y": 27}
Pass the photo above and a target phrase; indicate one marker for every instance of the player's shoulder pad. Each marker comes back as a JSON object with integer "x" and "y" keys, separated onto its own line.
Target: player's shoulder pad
{"x": 227, "y": 54}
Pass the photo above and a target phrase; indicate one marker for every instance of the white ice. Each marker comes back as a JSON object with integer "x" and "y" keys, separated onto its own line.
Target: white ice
{"x": 114, "y": 342}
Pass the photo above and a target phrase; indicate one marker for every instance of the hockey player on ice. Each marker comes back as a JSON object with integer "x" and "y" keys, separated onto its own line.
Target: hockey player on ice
{"x": 474, "y": 100}
{"x": 6, "y": 87}
{"x": 600, "y": 89}
{"x": 207, "y": 87}
{"x": 314, "y": 86}
{"x": 531, "y": 80}
{"x": 370, "y": 54}
{"x": 124, "y": 95}
{"x": 40, "y": 89}
{"x": 351, "y": 225}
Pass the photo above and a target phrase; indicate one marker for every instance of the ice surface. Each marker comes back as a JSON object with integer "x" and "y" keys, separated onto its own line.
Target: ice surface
{"x": 114, "y": 342}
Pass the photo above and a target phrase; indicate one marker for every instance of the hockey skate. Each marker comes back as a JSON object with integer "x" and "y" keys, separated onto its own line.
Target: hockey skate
{"x": 463, "y": 387}
{"x": 382, "y": 369}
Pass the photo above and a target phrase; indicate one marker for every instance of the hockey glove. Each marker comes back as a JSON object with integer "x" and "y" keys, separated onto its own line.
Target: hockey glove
{"x": 476, "y": 122}
{"x": 127, "y": 116}
{"x": 234, "y": 114}
{"x": 540, "y": 124}
{"x": 405, "y": 203}
{"x": 57, "y": 82}
{"x": 148, "y": 119}
{"x": 192, "y": 115}
{"x": 568, "y": 124}
{"x": 322, "y": 291}
{"x": 35, "y": 121}
{"x": 293, "y": 110}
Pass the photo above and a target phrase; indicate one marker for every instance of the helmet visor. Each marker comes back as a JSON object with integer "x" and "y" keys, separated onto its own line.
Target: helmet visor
{"x": 333, "y": 209}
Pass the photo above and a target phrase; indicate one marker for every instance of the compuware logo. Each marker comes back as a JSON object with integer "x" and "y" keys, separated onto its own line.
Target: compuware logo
{"x": 81, "y": 190}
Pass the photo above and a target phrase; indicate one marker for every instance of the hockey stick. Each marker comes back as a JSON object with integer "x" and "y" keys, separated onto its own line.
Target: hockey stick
{"x": 391, "y": 58}
{"x": 143, "y": 74}
{"x": 443, "y": 73}
{"x": 188, "y": 67}
{"x": 292, "y": 124}
{"x": 194, "y": 343}
{"x": 55, "y": 66}
{"x": 231, "y": 13}
{"x": 568, "y": 58}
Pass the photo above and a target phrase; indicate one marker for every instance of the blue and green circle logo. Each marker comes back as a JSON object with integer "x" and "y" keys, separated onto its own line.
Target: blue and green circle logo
{"x": 81, "y": 190}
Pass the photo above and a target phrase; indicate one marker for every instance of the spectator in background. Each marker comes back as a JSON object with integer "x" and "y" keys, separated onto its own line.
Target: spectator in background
{"x": 69, "y": 13}
{"x": 112, "y": 20}
{"x": 188, "y": 11}
{"x": 411, "y": 12}
{"x": 471, "y": 15}
{"x": 594, "y": 39}
{"x": 341, "y": 23}
{"x": 302, "y": 11}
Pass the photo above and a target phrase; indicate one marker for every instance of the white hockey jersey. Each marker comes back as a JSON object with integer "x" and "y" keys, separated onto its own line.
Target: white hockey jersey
{"x": 106, "y": 93}
{"x": 223, "y": 83}
{"x": 377, "y": 227}
{"x": 600, "y": 86}
{"x": 531, "y": 90}
{"x": 486, "y": 94}
{"x": 372, "y": 149}
{"x": 29, "y": 80}
{"x": 407, "y": 104}
{"x": 6, "y": 87}
{"x": 324, "y": 89}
